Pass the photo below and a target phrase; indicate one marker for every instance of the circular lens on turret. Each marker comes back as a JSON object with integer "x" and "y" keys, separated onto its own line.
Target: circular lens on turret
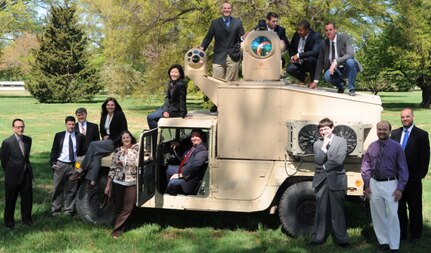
{"x": 202, "y": 54}
{"x": 261, "y": 46}
{"x": 189, "y": 54}
{"x": 195, "y": 58}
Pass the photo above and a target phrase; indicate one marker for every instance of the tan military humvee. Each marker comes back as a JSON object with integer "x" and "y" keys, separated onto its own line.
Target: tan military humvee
{"x": 260, "y": 143}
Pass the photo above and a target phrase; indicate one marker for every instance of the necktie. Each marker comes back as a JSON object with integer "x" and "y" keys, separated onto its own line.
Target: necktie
{"x": 405, "y": 139}
{"x": 333, "y": 51}
{"x": 71, "y": 153}
{"x": 226, "y": 22}
{"x": 376, "y": 171}
{"x": 180, "y": 169}
{"x": 82, "y": 129}
{"x": 21, "y": 146}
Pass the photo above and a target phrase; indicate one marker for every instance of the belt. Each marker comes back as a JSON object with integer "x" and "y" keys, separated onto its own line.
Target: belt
{"x": 66, "y": 162}
{"x": 385, "y": 179}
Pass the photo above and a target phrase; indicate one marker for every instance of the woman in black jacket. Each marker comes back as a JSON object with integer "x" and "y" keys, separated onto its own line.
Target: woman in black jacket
{"x": 175, "y": 99}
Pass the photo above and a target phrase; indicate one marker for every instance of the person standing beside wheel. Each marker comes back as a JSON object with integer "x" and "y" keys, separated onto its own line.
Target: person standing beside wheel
{"x": 112, "y": 123}
{"x": 67, "y": 146}
{"x": 330, "y": 185}
{"x": 121, "y": 183}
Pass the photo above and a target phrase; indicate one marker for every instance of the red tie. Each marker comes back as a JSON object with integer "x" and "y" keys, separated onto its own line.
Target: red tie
{"x": 180, "y": 169}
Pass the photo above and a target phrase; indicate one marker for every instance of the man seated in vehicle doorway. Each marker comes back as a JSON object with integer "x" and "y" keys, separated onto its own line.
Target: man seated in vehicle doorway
{"x": 183, "y": 178}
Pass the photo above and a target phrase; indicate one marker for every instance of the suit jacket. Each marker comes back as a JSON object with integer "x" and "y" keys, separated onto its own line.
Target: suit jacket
{"x": 417, "y": 151}
{"x": 194, "y": 168}
{"x": 14, "y": 163}
{"x": 118, "y": 125}
{"x": 329, "y": 165}
{"x": 57, "y": 146}
{"x": 227, "y": 40}
{"x": 281, "y": 32}
{"x": 311, "y": 47}
{"x": 91, "y": 134}
{"x": 175, "y": 99}
{"x": 344, "y": 50}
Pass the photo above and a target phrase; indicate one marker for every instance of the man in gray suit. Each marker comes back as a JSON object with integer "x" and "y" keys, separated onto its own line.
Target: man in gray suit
{"x": 227, "y": 31}
{"x": 336, "y": 57}
{"x": 330, "y": 184}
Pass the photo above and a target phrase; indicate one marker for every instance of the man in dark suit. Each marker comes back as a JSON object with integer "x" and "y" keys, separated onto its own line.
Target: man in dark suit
{"x": 336, "y": 58}
{"x": 227, "y": 32}
{"x": 66, "y": 147}
{"x": 185, "y": 177}
{"x": 330, "y": 184}
{"x": 272, "y": 25}
{"x": 15, "y": 160}
{"x": 90, "y": 130}
{"x": 304, "y": 51}
{"x": 416, "y": 147}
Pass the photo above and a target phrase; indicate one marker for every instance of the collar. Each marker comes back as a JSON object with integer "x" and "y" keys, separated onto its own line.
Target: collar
{"x": 18, "y": 138}
{"x": 408, "y": 129}
{"x": 228, "y": 19}
{"x": 335, "y": 39}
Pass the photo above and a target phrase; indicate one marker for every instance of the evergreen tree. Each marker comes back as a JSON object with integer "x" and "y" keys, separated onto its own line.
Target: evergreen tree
{"x": 61, "y": 72}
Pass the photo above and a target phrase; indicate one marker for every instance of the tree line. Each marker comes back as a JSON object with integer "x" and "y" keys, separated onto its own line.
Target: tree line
{"x": 126, "y": 47}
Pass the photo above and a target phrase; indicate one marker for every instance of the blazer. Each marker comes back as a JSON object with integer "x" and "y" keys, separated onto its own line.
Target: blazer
{"x": 311, "y": 47}
{"x": 344, "y": 50}
{"x": 14, "y": 163}
{"x": 417, "y": 151}
{"x": 281, "y": 32}
{"x": 91, "y": 134}
{"x": 227, "y": 40}
{"x": 175, "y": 99}
{"x": 118, "y": 125}
{"x": 57, "y": 146}
{"x": 329, "y": 165}
{"x": 194, "y": 168}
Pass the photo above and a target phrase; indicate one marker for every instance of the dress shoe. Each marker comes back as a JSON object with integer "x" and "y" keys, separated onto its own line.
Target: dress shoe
{"x": 115, "y": 235}
{"x": 90, "y": 187}
{"x": 10, "y": 228}
{"x": 395, "y": 250}
{"x": 352, "y": 93}
{"x": 55, "y": 214}
{"x": 414, "y": 240}
{"x": 75, "y": 176}
{"x": 344, "y": 245}
{"x": 313, "y": 243}
{"x": 340, "y": 90}
{"x": 383, "y": 247}
{"x": 28, "y": 223}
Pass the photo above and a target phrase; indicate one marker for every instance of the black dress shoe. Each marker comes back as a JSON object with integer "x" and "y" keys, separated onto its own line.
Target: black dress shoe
{"x": 414, "y": 240}
{"x": 383, "y": 247}
{"x": 313, "y": 243}
{"x": 28, "y": 223}
{"x": 395, "y": 250}
{"x": 75, "y": 176}
{"x": 344, "y": 245}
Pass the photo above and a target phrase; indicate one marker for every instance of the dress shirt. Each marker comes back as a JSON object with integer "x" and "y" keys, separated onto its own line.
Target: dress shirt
{"x": 330, "y": 48}
{"x": 108, "y": 123}
{"x": 403, "y": 132}
{"x": 83, "y": 125}
{"x": 392, "y": 164}
{"x": 64, "y": 155}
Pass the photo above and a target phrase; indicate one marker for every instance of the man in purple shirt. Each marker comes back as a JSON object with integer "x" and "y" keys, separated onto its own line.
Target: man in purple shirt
{"x": 385, "y": 173}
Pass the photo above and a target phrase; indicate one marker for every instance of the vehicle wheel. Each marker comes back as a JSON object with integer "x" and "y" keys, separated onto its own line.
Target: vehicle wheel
{"x": 90, "y": 204}
{"x": 297, "y": 208}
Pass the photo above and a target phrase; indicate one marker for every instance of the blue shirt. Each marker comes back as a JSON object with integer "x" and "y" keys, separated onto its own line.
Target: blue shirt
{"x": 392, "y": 164}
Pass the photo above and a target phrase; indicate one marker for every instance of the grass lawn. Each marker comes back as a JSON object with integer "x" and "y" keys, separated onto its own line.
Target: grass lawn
{"x": 164, "y": 230}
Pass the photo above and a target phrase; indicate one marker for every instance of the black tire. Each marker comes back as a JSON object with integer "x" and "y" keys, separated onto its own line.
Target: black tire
{"x": 297, "y": 208}
{"x": 89, "y": 204}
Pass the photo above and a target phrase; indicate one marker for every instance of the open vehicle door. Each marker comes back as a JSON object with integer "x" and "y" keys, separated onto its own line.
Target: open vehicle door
{"x": 146, "y": 167}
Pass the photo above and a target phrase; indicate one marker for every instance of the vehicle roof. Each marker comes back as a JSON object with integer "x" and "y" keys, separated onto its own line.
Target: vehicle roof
{"x": 194, "y": 119}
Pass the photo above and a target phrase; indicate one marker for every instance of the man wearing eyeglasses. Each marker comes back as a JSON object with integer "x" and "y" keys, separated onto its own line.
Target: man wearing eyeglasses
{"x": 15, "y": 160}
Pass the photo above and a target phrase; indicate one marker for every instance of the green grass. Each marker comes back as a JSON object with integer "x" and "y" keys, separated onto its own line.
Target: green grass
{"x": 165, "y": 230}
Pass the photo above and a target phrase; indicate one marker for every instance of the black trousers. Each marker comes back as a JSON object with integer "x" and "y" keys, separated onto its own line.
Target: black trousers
{"x": 25, "y": 191}
{"x": 413, "y": 221}
{"x": 299, "y": 70}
